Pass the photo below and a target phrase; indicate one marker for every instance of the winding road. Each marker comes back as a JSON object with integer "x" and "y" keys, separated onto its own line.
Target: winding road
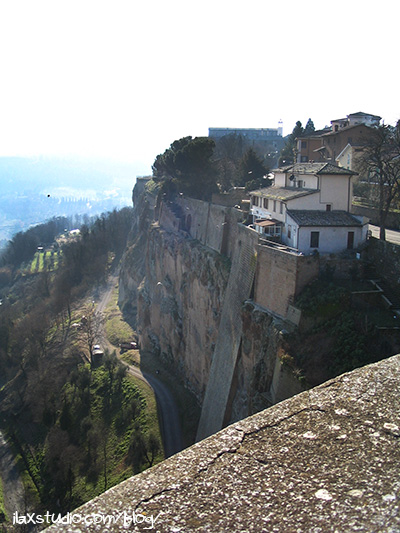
{"x": 170, "y": 425}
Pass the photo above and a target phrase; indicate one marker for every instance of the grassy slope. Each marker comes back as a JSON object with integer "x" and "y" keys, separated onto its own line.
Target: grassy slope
{"x": 2, "y": 508}
{"x": 118, "y": 330}
{"x": 120, "y": 426}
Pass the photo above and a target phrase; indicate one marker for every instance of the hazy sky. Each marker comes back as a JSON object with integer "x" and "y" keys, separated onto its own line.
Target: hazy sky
{"x": 125, "y": 78}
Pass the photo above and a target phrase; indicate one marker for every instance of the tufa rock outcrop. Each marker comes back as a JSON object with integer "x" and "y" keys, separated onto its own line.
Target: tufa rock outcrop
{"x": 179, "y": 303}
{"x": 173, "y": 281}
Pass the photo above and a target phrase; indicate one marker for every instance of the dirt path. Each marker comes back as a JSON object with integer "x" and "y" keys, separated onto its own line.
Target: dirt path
{"x": 170, "y": 424}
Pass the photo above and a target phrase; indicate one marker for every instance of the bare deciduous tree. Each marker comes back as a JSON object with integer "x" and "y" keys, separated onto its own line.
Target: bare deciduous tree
{"x": 381, "y": 161}
{"x": 91, "y": 331}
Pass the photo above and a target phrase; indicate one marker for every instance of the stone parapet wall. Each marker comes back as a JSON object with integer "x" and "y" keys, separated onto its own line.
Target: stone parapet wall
{"x": 325, "y": 460}
{"x": 168, "y": 219}
{"x": 280, "y": 276}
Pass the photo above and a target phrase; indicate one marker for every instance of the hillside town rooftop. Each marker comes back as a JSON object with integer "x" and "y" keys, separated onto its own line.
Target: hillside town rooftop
{"x": 283, "y": 193}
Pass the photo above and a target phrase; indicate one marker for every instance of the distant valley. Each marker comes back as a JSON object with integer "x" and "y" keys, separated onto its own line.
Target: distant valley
{"x": 33, "y": 190}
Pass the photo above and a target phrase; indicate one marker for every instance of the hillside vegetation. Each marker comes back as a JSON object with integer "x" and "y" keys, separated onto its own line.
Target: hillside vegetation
{"x": 343, "y": 327}
{"x": 77, "y": 425}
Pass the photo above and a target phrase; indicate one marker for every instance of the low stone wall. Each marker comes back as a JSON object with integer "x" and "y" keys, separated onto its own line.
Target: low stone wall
{"x": 213, "y": 225}
{"x": 393, "y": 220}
{"x": 326, "y": 460}
{"x": 339, "y": 267}
{"x": 280, "y": 276}
{"x": 231, "y": 198}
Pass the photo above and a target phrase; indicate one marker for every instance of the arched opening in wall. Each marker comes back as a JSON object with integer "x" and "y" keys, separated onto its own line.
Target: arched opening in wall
{"x": 188, "y": 223}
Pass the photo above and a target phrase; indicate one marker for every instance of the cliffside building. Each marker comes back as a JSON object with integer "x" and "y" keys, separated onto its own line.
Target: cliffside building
{"x": 308, "y": 208}
{"x": 341, "y": 143}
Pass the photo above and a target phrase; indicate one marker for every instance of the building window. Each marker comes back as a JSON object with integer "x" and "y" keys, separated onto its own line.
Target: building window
{"x": 265, "y": 203}
{"x": 303, "y": 159}
{"x": 273, "y": 231}
{"x": 314, "y": 240}
{"x": 300, "y": 184}
{"x": 274, "y": 206}
{"x": 289, "y": 231}
{"x": 329, "y": 207}
{"x": 281, "y": 208}
{"x": 303, "y": 145}
{"x": 255, "y": 200}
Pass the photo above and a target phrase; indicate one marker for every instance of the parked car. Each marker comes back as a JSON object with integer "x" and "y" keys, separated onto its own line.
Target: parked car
{"x": 97, "y": 350}
{"x": 128, "y": 345}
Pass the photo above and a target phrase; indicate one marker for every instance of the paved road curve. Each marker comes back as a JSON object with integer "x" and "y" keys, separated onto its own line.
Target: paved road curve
{"x": 170, "y": 424}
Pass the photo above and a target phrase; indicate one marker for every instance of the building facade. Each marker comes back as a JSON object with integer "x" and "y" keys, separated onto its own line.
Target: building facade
{"x": 328, "y": 144}
{"x": 308, "y": 208}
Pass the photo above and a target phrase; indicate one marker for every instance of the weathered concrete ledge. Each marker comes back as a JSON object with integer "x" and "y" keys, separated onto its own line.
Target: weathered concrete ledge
{"x": 325, "y": 460}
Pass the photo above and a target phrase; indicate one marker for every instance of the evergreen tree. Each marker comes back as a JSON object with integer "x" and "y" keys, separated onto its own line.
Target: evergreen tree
{"x": 252, "y": 171}
{"x": 186, "y": 167}
{"x": 309, "y": 127}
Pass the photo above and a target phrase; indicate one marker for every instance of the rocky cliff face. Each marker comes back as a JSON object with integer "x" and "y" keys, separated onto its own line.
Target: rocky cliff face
{"x": 261, "y": 377}
{"x": 179, "y": 303}
{"x": 174, "y": 286}
{"x": 133, "y": 266}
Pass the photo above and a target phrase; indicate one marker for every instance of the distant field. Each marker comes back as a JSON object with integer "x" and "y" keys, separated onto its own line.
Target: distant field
{"x": 46, "y": 260}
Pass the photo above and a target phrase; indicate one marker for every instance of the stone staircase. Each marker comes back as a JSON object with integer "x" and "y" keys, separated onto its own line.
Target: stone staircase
{"x": 391, "y": 295}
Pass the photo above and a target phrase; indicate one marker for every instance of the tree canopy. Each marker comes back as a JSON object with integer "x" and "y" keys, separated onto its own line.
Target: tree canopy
{"x": 288, "y": 153}
{"x": 186, "y": 167}
{"x": 309, "y": 127}
{"x": 252, "y": 171}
